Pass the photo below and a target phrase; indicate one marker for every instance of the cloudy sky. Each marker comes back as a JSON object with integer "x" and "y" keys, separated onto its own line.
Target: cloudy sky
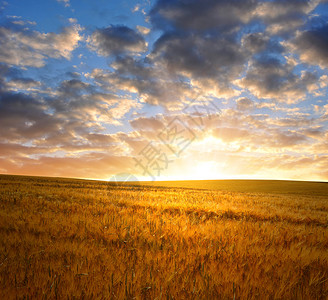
{"x": 164, "y": 89}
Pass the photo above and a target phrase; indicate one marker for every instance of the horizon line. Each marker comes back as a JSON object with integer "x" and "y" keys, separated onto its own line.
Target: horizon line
{"x": 165, "y": 180}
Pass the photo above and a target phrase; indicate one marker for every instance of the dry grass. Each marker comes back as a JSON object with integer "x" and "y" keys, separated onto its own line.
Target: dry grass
{"x": 62, "y": 238}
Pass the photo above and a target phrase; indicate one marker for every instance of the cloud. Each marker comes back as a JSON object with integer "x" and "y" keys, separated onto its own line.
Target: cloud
{"x": 311, "y": 46}
{"x": 293, "y": 121}
{"x": 201, "y": 15}
{"x": 102, "y": 139}
{"x": 143, "y": 30}
{"x": 200, "y": 41}
{"x": 22, "y": 84}
{"x": 194, "y": 54}
{"x": 72, "y": 20}
{"x": 230, "y": 134}
{"x": 255, "y": 42}
{"x": 23, "y": 23}
{"x": 65, "y": 2}
{"x": 152, "y": 83}
{"x": 78, "y": 100}
{"x": 115, "y": 40}
{"x": 235, "y": 54}
{"x": 63, "y": 119}
{"x": 270, "y": 78}
{"x": 74, "y": 87}
{"x": 23, "y": 118}
{"x": 244, "y": 104}
{"x": 284, "y": 16}
{"x": 149, "y": 124}
{"x": 136, "y": 8}
{"x": 287, "y": 139}
{"x": 315, "y": 133}
{"x": 26, "y": 48}
{"x": 92, "y": 165}
{"x": 210, "y": 63}
{"x": 16, "y": 149}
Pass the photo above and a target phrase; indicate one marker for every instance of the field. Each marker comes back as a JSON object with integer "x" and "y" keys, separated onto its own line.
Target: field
{"x": 251, "y": 186}
{"x": 78, "y": 239}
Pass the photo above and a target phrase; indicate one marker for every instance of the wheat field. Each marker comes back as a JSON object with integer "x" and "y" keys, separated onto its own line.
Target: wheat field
{"x": 76, "y": 239}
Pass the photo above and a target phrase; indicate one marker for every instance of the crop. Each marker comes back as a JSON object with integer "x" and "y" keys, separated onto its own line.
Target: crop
{"x": 67, "y": 238}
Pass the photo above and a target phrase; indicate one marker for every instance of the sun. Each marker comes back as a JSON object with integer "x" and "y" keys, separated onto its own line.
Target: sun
{"x": 208, "y": 170}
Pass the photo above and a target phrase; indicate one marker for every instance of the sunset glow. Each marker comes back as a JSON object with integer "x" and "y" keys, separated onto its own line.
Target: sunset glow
{"x": 164, "y": 90}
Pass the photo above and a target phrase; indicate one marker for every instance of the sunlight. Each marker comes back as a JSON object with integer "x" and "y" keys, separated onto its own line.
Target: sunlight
{"x": 207, "y": 170}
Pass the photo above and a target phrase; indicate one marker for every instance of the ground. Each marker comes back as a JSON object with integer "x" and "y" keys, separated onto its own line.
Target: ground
{"x": 68, "y": 238}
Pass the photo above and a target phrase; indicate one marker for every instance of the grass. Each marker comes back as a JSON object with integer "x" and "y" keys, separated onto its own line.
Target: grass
{"x": 67, "y": 238}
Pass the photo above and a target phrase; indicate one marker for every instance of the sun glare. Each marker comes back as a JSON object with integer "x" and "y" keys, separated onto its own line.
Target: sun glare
{"x": 207, "y": 170}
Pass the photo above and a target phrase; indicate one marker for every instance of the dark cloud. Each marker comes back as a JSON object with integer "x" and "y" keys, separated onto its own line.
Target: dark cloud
{"x": 23, "y": 84}
{"x": 255, "y": 42}
{"x": 70, "y": 116}
{"x": 244, "y": 104}
{"x": 210, "y": 62}
{"x": 312, "y": 46}
{"x": 74, "y": 87}
{"x": 23, "y": 117}
{"x": 116, "y": 40}
{"x": 200, "y": 56}
{"x": 201, "y": 15}
{"x": 200, "y": 40}
{"x": 153, "y": 84}
{"x": 74, "y": 75}
{"x": 12, "y": 79}
{"x": 268, "y": 77}
{"x": 280, "y": 16}
{"x": 284, "y": 16}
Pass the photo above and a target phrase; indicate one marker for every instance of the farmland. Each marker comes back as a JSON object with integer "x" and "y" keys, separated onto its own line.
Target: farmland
{"x": 67, "y": 238}
{"x": 250, "y": 186}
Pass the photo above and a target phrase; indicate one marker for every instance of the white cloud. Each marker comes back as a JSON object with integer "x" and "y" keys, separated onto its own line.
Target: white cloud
{"x": 65, "y": 2}
{"x": 31, "y": 48}
{"x": 136, "y": 8}
{"x": 72, "y": 20}
{"x": 143, "y": 30}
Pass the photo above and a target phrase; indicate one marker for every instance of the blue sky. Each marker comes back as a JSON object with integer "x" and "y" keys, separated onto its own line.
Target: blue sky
{"x": 164, "y": 89}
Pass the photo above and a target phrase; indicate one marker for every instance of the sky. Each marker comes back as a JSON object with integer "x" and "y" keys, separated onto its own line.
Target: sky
{"x": 164, "y": 90}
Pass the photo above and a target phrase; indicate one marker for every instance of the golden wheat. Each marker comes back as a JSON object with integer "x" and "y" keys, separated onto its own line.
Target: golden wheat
{"x": 62, "y": 238}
